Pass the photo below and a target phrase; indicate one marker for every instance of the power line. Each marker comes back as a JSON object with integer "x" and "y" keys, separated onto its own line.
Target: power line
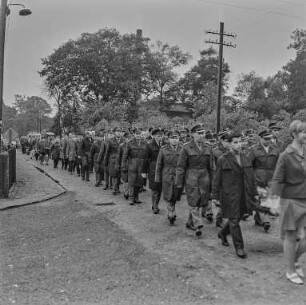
{"x": 253, "y": 9}
{"x": 290, "y": 2}
{"x": 221, "y": 43}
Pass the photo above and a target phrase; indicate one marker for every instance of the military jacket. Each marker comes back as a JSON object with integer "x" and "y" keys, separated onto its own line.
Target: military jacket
{"x": 263, "y": 163}
{"x": 194, "y": 170}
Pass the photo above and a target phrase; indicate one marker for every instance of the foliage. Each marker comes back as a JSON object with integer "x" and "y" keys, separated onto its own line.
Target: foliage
{"x": 161, "y": 63}
{"x": 263, "y": 96}
{"x": 295, "y": 72}
{"x": 105, "y": 71}
{"x": 28, "y": 114}
{"x": 240, "y": 120}
{"x": 199, "y": 84}
{"x": 9, "y": 118}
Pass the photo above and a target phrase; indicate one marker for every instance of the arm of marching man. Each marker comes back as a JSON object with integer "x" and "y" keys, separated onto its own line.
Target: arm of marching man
{"x": 159, "y": 167}
{"x": 181, "y": 168}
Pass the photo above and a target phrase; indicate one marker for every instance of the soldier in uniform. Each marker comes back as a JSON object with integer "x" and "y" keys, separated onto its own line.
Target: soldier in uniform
{"x": 194, "y": 170}
{"x": 123, "y": 173}
{"x": 165, "y": 172}
{"x": 111, "y": 152}
{"x": 83, "y": 154}
{"x": 263, "y": 157}
{"x": 94, "y": 158}
{"x": 77, "y": 163}
{"x": 153, "y": 150}
{"x": 184, "y": 135}
{"x": 63, "y": 155}
{"x": 71, "y": 152}
{"x": 275, "y": 129}
{"x": 134, "y": 162}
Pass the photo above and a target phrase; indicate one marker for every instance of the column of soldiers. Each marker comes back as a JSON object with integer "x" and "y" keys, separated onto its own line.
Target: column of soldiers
{"x": 223, "y": 170}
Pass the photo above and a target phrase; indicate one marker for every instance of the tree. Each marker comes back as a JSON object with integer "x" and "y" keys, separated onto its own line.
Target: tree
{"x": 263, "y": 96}
{"x": 199, "y": 84}
{"x": 9, "y": 118}
{"x": 32, "y": 113}
{"x": 295, "y": 72}
{"x": 160, "y": 67}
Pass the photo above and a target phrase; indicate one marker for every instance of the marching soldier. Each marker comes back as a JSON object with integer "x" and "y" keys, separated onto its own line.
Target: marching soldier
{"x": 78, "y": 162}
{"x": 94, "y": 158}
{"x": 184, "y": 135}
{"x": 275, "y": 129}
{"x": 83, "y": 154}
{"x": 71, "y": 152}
{"x": 194, "y": 170}
{"x": 153, "y": 150}
{"x": 123, "y": 173}
{"x": 134, "y": 161}
{"x": 263, "y": 157}
{"x": 112, "y": 149}
{"x": 165, "y": 172}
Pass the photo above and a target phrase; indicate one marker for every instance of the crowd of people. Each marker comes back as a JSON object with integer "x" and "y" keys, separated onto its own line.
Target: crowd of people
{"x": 225, "y": 170}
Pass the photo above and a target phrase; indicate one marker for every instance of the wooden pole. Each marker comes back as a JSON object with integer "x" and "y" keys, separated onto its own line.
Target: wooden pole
{"x": 3, "y": 14}
{"x": 220, "y": 76}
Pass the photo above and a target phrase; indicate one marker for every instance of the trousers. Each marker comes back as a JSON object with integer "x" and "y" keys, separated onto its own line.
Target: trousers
{"x": 232, "y": 227}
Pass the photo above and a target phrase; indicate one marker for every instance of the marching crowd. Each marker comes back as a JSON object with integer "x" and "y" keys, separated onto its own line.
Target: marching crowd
{"x": 225, "y": 170}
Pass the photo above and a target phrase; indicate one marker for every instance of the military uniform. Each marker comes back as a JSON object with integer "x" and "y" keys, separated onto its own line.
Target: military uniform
{"x": 156, "y": 187}
{"x": 123, "y": 173}
{"x": 194, "y": 170}
{"x": 264, "y": 162}
{"x": 84, "y": 153}
{"x": 111, "y": 152}
{"x": 165, "y": 174}
{"x": 97, "y": 163}
{"x": 134, "y": 161}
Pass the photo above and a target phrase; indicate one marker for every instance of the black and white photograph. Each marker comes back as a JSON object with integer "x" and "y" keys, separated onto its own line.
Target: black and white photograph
{"x": 152, "y": 152}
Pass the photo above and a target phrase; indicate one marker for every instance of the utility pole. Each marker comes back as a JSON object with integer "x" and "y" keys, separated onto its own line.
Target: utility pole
{"x": 3, "y": 14}
{"x": 221, "y": 43}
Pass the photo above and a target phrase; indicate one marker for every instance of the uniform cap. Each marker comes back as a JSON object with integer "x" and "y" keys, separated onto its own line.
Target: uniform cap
{"x": 173, "y": 133}
{"x": 156, "y": 131}
{"x": 197, "y": 128}
{"x": 265, "y": 134}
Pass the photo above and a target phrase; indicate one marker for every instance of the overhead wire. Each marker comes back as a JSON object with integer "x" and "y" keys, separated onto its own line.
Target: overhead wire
{"x": 252, "y": 9}
{"x": 291, "y": 2}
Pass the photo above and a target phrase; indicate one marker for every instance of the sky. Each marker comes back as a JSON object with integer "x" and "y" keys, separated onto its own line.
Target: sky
{"x": 263, "y": 29}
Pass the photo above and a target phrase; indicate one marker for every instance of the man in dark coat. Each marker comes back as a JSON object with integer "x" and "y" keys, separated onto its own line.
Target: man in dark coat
{"x": 263, "y": 157}
{"x": 111, "y": 152}
{"x": 165, "y": 172}
{"x": 78, "y": 161}
{"x": 134, "y": 161}
{"x": 194, "y": 170}
{"x": 153, "y": 150}
{"x": 83, "y": 154}
{"x": 219, "y": 150}
{"x": 234, "y": 188}
{"x": 94, "y": 158}
{"x": 123, "y": 172}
